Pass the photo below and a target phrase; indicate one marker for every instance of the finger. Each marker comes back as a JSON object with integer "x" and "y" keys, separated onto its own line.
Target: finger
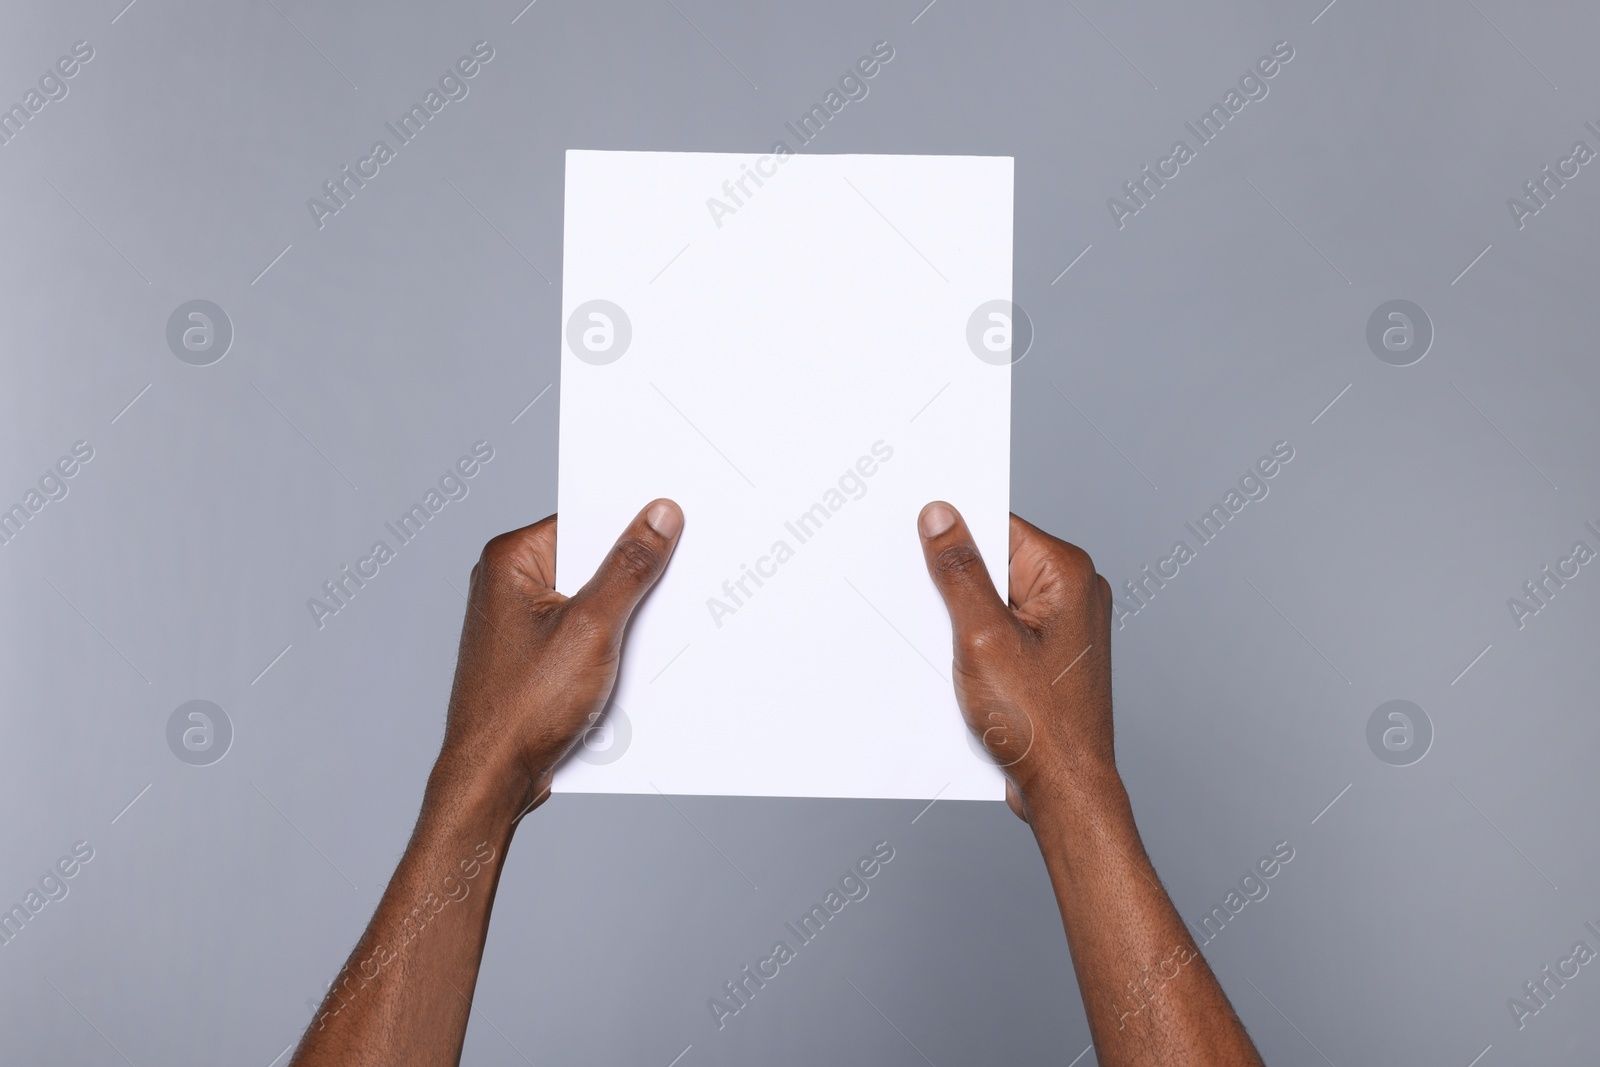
{"x": 1046, "y": 573}
{"x": 634, "y": 563}
{"x": 529, "y": 553}
{"x": 958, "y": 570}
{"x": 1028, "y": 572}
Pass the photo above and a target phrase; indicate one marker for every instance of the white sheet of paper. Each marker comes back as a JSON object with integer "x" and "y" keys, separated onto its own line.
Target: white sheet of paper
{"x": 766, "y": 358}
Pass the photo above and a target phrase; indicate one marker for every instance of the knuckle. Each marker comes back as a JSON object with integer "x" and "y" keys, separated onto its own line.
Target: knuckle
{"x": 495, "y": 575}
{"x": 511, "y": 560}
{"x": 983, "y": 639}
{"x": 958, "y": 561}
{"x": 1078, "y": 573}
{"x": 636, "y": 560}
{"x": 1077, "y": 563}
{"x": 498, "y": 556}
{"x": 584, "y": 624}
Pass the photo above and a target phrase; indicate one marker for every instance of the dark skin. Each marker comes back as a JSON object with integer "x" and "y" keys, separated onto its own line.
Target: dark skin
{"x": 1032, "y": 676}
{"x": 535, "y": 668}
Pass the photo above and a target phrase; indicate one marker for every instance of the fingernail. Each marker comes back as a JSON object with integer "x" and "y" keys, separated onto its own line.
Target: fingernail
{"x": 665, "y": 519}
{"x": 936, "y": 519}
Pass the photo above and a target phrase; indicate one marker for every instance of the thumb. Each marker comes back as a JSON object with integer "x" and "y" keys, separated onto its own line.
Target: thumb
{"x": 633, "y": 565}
{"x": 959, "y": 573}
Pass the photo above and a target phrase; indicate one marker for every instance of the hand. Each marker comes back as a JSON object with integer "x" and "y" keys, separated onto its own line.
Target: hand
{"x": 1032, "y": 678}
{"x": 536, "y": 668}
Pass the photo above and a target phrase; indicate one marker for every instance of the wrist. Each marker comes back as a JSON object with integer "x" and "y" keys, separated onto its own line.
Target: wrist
{"x": 1088, "y": 835}
{"x": 475, "y": 795}
{"x": 1076, "y": 798}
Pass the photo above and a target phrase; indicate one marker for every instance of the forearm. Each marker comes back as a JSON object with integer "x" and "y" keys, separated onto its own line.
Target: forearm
{"x": 534, "y": 671}
{"x": 404, "y": 994}
{"x": 1149, "y": 994}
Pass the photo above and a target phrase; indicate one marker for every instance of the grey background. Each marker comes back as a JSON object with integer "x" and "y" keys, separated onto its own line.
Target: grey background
{"x": 1222, "y": 318}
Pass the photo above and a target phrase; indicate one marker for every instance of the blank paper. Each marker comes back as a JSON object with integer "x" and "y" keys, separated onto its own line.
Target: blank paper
{"x": 801, "y": 352}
